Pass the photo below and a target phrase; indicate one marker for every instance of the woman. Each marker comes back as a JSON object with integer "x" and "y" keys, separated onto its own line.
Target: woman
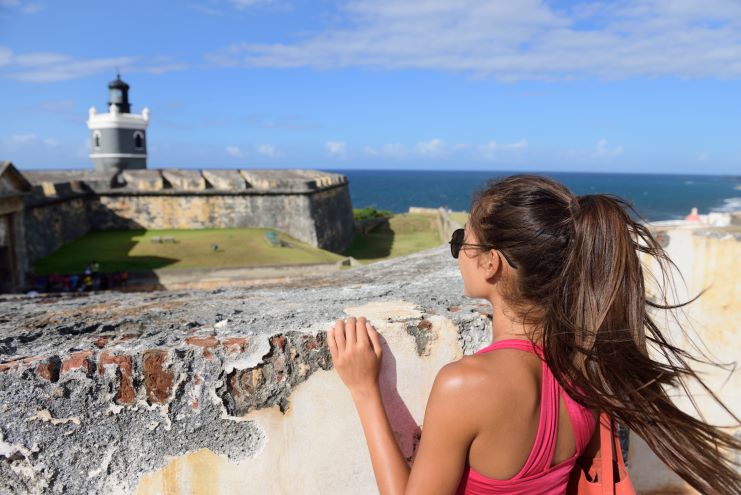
{"x": 570, "y": 332}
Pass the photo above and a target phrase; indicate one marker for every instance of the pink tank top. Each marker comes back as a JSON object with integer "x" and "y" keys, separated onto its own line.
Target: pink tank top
{"x": 537, "y": 476}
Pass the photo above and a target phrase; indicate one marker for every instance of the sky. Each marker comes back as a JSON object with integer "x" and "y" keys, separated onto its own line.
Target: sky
{"x": 647, "y": 86}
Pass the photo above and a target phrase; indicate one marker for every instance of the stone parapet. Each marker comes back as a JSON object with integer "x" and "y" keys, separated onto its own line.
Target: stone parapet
{"x": 143, "y": 180}
{"x": 174, "y": 181}
{"x": 225, "y": 180}
{"x": 298, "y": 180}
{"x": 185, "y": 180}
{"x": 101, "y": 393}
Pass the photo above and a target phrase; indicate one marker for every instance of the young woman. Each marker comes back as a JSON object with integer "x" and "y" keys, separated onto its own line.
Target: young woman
{"x": 571, "y": 338}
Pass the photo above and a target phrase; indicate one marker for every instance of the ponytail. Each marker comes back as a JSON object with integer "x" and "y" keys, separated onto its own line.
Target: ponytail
{"x": 580, "y": 268}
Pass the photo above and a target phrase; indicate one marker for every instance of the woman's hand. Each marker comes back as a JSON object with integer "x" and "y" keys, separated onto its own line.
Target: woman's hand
{"x": 355, "y": 347}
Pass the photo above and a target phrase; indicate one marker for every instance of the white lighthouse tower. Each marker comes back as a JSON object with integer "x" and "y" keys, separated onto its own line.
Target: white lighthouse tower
{"x": 119, "y": 137}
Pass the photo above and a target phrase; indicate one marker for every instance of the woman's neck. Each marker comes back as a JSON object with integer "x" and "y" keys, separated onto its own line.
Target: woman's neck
{"x": 506, "y": 326}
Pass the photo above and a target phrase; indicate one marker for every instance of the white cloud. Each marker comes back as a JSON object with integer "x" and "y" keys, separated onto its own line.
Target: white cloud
{"x": 433, "y": 148}
{"x": 527, "y": 39}
{"x": 492, "y": 149}
{"x": 335, "y": 147}
{"x": 54, "y": 106}
{"x": 6, "y": 55}
{"x": 389, "y": 150}
{"x": 234, "y": 151}
{"x": 243, "y": 4}
{"x": 42, "y": 67}
{"x": 268, "y": 150}
{"x": 204, "y": 9}
{"x": 22, "y": 7}
{"x": 603, "y": 151}
{"x": 84, "y": 150}
{"x": 702, "y": 157}
{"x": 32, "y": 8}
{"x": 18, "y": 141}
{"x": 23, "y": 138}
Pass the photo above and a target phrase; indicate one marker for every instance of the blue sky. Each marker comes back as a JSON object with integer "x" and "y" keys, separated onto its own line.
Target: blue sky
{"x": 641, "y": 86}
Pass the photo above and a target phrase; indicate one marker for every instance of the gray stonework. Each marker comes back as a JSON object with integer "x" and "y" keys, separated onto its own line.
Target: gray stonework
{"x": 97, "y": 390}
{"x": 313, "y": 207}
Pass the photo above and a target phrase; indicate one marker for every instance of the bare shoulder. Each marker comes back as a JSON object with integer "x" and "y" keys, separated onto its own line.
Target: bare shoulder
{"x": 496, "y": 377}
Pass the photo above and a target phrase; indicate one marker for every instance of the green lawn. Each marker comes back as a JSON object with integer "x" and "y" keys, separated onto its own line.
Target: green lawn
{"x": 459, "y": 216}
{"x": 404, "y": 234}
{"x": 133, "y": 251}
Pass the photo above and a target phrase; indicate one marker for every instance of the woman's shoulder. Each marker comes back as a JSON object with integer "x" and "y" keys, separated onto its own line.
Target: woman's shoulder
{"x": 496, "y": 377}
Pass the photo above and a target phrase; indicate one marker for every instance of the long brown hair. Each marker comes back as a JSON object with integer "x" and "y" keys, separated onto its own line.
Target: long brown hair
{"x": 580, "y": 281}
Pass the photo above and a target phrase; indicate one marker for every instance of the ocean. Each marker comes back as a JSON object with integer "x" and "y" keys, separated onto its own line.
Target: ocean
{"x": 655, "y": 197}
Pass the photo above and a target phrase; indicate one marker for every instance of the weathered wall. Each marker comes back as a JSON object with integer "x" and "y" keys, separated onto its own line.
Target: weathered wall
{"x": 333, "y": 222}
{"x": 231, "y": 391}
{"x": 319, "y": 218}
{"x": 120, "y": 393}
{"x": 51, "y": 223}
{"x": 707, "y": 259}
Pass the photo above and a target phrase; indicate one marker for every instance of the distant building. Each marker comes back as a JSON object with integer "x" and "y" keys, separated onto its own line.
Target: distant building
{"x": 119, "y": 137}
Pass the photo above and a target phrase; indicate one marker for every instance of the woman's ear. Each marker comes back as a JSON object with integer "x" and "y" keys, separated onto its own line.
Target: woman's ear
{"x": 492, "y": 263}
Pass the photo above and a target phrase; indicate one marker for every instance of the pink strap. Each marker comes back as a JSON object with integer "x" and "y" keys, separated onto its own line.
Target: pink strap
{"x": 544, "y": 446}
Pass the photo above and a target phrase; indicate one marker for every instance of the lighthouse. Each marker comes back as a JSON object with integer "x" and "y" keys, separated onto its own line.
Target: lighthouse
{"x": 118, "y": 137}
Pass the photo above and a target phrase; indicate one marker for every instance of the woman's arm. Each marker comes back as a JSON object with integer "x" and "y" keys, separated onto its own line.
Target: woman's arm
{"x": 389, "y": 465}
{"x": 448, "y": 425}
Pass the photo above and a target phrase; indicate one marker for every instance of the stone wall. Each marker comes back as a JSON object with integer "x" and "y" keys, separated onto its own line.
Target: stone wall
{"x": 231, "y": 391}
{"x": 333, "y": 223}
{"x": 218, "y": 392}
{"x": 51, "y": 222}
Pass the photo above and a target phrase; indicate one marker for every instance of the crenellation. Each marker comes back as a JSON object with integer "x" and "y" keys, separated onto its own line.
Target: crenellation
{"x": 143, "y": 180}
{"x": 184, "y": 180}
{"x": 225, "y": 180}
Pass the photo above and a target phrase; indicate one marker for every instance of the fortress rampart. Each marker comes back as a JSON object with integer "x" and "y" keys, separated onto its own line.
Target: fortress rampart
{"x": 231, "y": 390}
{"x": 314, "y": 207}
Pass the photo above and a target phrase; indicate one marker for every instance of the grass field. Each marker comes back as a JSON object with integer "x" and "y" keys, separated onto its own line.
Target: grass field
{"x": 459, "y": 216}
{"x": 134, "y": 251}
{"x": 404, "y": 234}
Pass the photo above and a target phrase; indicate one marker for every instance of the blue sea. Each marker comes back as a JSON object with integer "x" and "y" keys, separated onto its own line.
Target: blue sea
{"x": 655, "y": 197}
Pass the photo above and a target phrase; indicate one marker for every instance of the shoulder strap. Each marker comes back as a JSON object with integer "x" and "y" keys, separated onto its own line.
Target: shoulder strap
{"x": 519, "y": 344}
{"x": 544, "y": 446}
{"x": 609, "y": 450}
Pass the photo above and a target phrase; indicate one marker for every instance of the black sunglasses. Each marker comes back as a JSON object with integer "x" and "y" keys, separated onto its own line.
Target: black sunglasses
{"x": 456, "y": 243}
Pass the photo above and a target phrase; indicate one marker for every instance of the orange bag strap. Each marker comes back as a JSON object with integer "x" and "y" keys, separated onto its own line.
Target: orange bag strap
{"x": 606, "y": 444}
{"x": 609, "y": 449}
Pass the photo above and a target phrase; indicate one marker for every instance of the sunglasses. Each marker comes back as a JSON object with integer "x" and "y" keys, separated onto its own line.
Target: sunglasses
{"x": 456, "y": 243}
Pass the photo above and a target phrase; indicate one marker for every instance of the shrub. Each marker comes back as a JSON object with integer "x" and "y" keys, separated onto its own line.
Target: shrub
{"x": 370, "y": 212}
